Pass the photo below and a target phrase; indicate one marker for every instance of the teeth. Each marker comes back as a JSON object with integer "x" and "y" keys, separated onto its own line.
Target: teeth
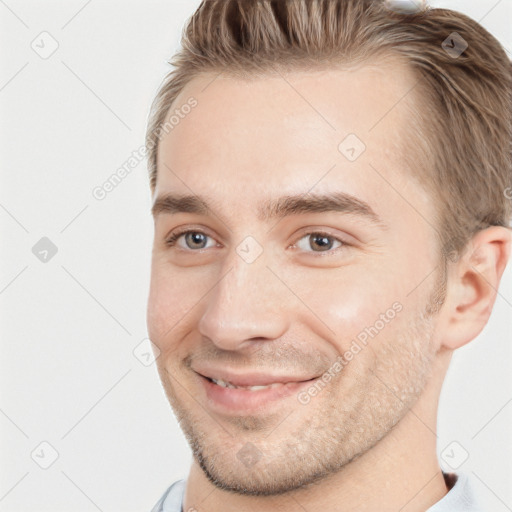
{"x": 225, "y": 384}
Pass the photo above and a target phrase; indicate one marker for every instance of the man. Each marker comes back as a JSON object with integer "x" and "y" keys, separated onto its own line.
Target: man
{"x": 331, "y": 183}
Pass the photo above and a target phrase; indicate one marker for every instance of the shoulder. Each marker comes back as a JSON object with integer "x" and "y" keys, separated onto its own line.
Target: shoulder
{"x": 461, "y": 496}
{"x": 172, "y": 499}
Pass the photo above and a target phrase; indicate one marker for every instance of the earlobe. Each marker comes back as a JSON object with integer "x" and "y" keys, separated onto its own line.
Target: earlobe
{"x": 472, "y": 288}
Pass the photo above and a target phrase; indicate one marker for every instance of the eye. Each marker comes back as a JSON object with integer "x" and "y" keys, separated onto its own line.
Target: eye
{"x": 193, "y": 240}
{"x": 322, "y": 241}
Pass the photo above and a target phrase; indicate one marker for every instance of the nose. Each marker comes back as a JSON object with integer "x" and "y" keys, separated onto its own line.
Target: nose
{"x": 245, "y": 307}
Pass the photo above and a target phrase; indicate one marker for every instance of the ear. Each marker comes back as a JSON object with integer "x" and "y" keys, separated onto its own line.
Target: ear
{"x": 473, "y": 283}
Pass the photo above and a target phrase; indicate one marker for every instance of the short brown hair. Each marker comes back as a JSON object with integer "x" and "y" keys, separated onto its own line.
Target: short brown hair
{"x": 465, "y": 120}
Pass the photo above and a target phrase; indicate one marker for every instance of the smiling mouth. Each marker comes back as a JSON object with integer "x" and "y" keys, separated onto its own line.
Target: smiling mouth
{"x": 226, "y": 384}
{"x": 225, "y": 397}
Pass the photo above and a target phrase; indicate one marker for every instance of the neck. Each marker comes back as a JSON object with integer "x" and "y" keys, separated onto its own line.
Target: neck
{"x": 400, "y": 472}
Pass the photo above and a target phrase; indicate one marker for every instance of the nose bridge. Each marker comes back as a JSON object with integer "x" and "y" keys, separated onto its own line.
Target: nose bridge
{"x": 243, "y": 304}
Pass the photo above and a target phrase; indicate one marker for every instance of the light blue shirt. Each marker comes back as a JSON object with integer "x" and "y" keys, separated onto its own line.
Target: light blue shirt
{"x": 460, "y": 498}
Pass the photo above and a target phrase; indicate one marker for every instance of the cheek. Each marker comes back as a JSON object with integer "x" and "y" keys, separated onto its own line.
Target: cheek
{"x": 362, "y": 308}
{"x": 171, "y": 297}
{"x": 350, "y": 299}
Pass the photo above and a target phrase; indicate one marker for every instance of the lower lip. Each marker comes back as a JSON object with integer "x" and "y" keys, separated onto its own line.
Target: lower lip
{"x": 233, "y": 400}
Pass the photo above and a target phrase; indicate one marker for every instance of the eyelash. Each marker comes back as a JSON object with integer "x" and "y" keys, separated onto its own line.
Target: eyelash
{"x": 171, "y": 241}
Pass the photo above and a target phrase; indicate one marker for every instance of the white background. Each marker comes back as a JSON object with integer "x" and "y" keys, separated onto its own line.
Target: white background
{"x": 69, "y": 326}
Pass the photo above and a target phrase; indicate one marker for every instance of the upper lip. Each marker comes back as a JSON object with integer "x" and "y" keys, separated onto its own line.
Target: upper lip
{"x": 250, "y": 378}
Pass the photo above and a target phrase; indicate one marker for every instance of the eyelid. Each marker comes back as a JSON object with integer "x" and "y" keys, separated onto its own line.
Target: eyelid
{"x": 345, "y": 241}
{"x": 171, "y": 239}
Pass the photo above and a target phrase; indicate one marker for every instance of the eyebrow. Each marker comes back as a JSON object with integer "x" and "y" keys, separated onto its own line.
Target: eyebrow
{"x": 275, "y": 209}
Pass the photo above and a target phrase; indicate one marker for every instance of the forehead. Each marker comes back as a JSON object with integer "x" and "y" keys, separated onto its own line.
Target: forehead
{"x": 289, "y": 132}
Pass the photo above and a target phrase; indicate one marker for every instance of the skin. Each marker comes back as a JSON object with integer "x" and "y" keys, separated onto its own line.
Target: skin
{"x": 368, "y": 441}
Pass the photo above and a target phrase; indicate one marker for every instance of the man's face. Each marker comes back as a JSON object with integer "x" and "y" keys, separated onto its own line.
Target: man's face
{"x": 246, "y": 293}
